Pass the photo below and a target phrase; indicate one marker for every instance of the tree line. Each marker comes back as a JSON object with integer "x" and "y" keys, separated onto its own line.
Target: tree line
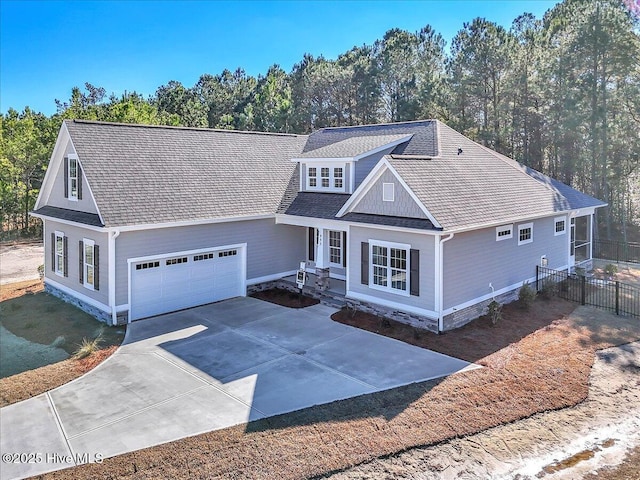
{"x": 560, "y": 94}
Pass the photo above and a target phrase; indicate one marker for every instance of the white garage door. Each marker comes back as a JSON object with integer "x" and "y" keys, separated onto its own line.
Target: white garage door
{"x": 178, "y": 281}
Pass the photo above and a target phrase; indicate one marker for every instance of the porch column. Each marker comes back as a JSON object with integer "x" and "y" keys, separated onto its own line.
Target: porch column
{"x": 322, "y": 266}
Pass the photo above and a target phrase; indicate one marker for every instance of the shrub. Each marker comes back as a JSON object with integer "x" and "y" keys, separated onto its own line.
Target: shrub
{"x": 87, "y": 347}
{"x": 41, "y": 272}
{"x": 549, "y": 288}
{"x": 495, "y": 312}
{"x": 526, "y": 295}
{"x": 611, "y": 269}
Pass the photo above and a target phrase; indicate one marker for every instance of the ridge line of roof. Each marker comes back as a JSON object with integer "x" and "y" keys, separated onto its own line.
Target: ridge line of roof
{"x": 376, "y": 124}
{"x": 175, "y": 127}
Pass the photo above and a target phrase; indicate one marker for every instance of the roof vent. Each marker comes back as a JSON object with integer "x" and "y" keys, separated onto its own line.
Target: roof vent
{"x": 459, "y": 151}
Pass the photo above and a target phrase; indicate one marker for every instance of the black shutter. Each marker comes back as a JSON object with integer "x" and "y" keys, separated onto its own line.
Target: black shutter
{"x": 66, "y": 177}
{"x": 53, "y": 251}
{"x": 81, "y": 261}
{"x": 364, "y": 263}
{"x": 344, "y": 249}
{"x": 414, "y": 274}
{"x": 65, "y": 255}
{"x": 312, "y": 244}
{"x": 79, "y": 172}
{"x": 96, "y": 267}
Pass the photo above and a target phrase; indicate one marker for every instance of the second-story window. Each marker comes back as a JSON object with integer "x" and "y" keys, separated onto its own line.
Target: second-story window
{"x": 324, "y": 174}
{"x": 337, "y": 177}
{"x": 73, "y": 178}
{"x": 326, "y": 177}
{"x": 313, "y": 177}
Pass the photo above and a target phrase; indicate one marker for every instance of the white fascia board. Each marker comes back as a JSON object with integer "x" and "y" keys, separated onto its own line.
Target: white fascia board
{"x": 342, "y": 225}
{"x": 54, "y": 165}
{"x": 479, "y": 226}
{"x": 68, "y": 222}
{"x": 270, "y": 278}
{"x": 86, "y": 182}
{"x": 414, "y": 197}
{"x": 323, "y": 159}
{"x": 368, "y": 183}
{"x": 375, "y": 173}
{"x": 187, "y": 223}
{"x": 381, "y": 148}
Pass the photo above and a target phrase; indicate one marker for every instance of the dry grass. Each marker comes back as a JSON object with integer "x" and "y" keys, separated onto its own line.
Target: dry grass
{"x": 34, "y": 382}
{"x": 545, "y": 369}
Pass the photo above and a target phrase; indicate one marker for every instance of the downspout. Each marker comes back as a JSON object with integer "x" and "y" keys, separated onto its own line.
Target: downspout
{"x": 441, "y": 282}
{"x": 113, "y": 234}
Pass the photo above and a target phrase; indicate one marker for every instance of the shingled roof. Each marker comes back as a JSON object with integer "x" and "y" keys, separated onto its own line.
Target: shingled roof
{"x": 353, "y": 146}
{"x": 478, "y": 186}
{"x": 151, "y": 174}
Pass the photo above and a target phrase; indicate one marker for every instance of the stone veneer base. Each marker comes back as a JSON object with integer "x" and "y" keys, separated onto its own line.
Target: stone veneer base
{"x": 85, "y": 307}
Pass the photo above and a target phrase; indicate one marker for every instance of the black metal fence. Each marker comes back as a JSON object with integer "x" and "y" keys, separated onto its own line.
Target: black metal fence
{"x": 617, "y": 251}
{"x": 619, "y": 298}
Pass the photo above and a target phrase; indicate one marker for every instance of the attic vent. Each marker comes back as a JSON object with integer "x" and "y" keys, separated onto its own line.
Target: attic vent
{"x": 459, "y": 151}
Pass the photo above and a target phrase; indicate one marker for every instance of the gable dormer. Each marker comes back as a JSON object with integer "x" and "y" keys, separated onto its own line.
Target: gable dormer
{"x": 65, "y": 184}
{"x": 340, "y": 167}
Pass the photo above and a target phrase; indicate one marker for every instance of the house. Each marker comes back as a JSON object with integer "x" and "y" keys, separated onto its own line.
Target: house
{"x": 412, "y": 220}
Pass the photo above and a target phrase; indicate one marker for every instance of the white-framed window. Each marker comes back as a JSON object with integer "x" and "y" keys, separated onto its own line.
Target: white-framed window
{"x": 388, "y": 192}
{"x": 504, "y": 232}
{"x": 338, "y": 173}
{"x": 72, "y": 178}
{"x": 58, "y": 266}
{"x": 312, "y": 175}
{"x": 389, "y": 266}
{"x": 326, "y": 177}
{"x": 559, "y": 226}
{"x": 335, "y": 247}
{"x": 88, "y": 263}
{"x": 525, "y": 233}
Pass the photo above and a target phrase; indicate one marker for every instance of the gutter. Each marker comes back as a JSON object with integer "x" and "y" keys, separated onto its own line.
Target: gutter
{"x": 113, "y": 234}
{"x": 441, "y": 281}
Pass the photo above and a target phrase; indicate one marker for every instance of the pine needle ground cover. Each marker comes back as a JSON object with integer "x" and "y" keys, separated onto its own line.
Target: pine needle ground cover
{"x": 534, "y": 361}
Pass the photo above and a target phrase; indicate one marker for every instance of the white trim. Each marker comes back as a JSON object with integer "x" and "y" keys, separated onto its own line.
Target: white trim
{"x": 504, "y": 228}
{"x": 395, "y": 305}
{"x": 555, "y": 221}
{"x": 341, "y": 248}
{"x": 111, "y": 267}
{"x": 239, "y": 246}
{"x": 509, "y": 288}
{"x": 368, "y": 183}
{"x": 186, "y": 223}
{"x": 389, "y": 245}
{"x": 74, "y": 157}
{"x": 524, "y": 226}
{"x": 58, "y": 234}
{"x": 122, "y": 308}
{"x": 440, "y": 280}
{"x": 388, "y": 192}
{"x": 270, "y": 278}
{"x": 54, "y": 165}
{"x": 85, "y": 242}
{"x": 67, "y": 222}
{"x": 78, "y": 295}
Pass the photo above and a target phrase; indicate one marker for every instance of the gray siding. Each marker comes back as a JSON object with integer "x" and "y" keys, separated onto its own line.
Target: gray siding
{"x": 473, "y": 259}
{"x": 75, "y": 235}
{"x": 424, "y": 243}
{"x": 271, "y": 248}
{"x": 402, "y": 206}
{"x": 56, "y": 198}
{"x": 366, "y": 164}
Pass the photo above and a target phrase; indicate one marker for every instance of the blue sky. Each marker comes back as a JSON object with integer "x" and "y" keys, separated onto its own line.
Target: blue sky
{"x": 48, "y": 47}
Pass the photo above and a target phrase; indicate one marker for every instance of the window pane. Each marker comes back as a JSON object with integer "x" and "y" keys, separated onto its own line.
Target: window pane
{"x": 324, "y": 172}
{"x": 88, "y": 254}
{"x": 73, "y": 168}
{"x": 380, "y": 276}
{"x": 379, "y": 256}
{"x": 89, "y": 274}
{"x": 398, "y": 258}
{"x": 399, "y": 279}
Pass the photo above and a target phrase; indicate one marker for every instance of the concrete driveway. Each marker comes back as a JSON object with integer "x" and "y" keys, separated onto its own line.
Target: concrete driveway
{"x": 204, "y": 369}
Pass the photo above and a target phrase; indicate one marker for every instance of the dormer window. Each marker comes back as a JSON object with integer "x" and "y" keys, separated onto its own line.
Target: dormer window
{"x": 326, "y": 177}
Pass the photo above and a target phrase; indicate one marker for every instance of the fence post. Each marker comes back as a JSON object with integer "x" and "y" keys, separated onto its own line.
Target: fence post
{"x": 617, "y": 298}
{"x": 583, "y": 288}
{"x": 537, "y": 275}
